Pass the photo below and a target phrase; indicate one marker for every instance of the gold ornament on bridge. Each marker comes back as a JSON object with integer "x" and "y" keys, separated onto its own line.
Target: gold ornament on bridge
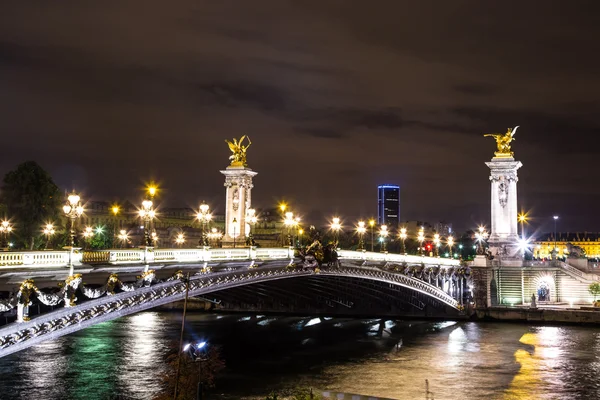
{"x": 503, "y": 142}
{"x": 238, "y": 158}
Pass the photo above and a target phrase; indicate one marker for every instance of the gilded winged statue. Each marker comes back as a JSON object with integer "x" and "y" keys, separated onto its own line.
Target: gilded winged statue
{"x": 238, "y": 150}
{"x": 503, "y": 142}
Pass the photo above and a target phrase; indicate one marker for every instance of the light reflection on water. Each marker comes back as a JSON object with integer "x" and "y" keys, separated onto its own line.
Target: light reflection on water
{"x": 460, "y": 360}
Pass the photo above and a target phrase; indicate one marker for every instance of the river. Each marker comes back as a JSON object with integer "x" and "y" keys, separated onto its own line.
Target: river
{"x": 461, "y": 360}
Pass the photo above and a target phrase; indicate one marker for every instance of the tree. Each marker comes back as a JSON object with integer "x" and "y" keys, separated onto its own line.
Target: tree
{"x": 31, "y": 198}
{"x": 594, "y": 290}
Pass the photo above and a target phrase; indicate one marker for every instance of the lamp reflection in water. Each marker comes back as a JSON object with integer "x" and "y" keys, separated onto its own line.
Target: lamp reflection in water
{"x": 142, "y": 347}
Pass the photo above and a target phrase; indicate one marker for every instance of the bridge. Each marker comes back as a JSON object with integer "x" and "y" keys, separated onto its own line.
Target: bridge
{"x": 74, "y": 290}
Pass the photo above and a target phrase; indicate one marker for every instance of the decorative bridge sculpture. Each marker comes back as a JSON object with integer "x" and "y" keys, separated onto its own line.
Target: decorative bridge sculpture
{"x": 442, "y": 280}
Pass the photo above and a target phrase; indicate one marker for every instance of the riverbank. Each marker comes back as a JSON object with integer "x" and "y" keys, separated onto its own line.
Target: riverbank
{"x": 576, "y": 316}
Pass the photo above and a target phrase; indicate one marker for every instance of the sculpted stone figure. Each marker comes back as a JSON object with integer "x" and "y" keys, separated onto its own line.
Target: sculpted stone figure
{"x": 238, "y": 150}
{"x": 503, "y": 142}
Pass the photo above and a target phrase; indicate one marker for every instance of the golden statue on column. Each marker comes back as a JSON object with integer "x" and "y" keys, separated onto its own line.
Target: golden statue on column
{"x": 238, "y": 150}
{"x": 503, "y": 142}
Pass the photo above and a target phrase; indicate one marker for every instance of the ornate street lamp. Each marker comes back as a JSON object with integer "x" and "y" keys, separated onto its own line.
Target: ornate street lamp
{"x": 282, "y": 207}
{"x": 383, "y": 234}
{"x": 88, "y": 233}
{"x": 234, "y": 231}
{"x": 300, "y": 236}
{"x": 147, "y": 214}
{"x": 436, "y": 242}
{"x": 522, "y": 219}
{"x": 252, "y": 220}
{"x": 115, "y": 209}
{"x": 180, "y": 239}
{"x": 361, "y": 229}
{"x": 204, "y": 217}
{"x": 48, "y": 231}
{"x": 403, "y": 237}
{"x": 450, "y": 244}
{"x": 420, "y": 239}
{"x": 215, "y": 235}
{"x": 372, "y": 225}
{"x": 555, "y": 217}
{"x": 123, "y": 237}
{"x": 481, "y": 235}
{"x": 336, "y": 226}
{"x": 5, "y": 229}
{"x": 289, "y": 222}
{"x": 73, "y": 210}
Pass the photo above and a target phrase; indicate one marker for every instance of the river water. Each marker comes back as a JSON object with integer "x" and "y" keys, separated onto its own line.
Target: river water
{"x": 461, "y": 360}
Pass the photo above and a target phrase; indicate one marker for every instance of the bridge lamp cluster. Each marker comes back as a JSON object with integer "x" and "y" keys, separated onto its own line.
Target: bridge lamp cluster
{"x": 73, "y": 210}
{"x": 5, "y": 229}
{"x": 88, "y": 232}
{"x": 383, "y": 234}
{"x": 203, "y": 215}
{"x": 214, "y": 235}
{"x": 420, "y": 239}
{"x": 180, "y": 239}
{"x": 361, "y": 229}
{"x": 123, "y": 237}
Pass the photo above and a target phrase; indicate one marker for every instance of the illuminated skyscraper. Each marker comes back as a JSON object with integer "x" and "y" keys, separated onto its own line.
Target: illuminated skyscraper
{"x": 388, "y": 205}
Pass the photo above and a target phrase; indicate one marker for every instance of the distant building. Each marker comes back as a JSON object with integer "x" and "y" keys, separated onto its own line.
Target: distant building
{"x": 388, "y": 205}
{"x": 589, "y": 242}
{"x": 443, "y": 228}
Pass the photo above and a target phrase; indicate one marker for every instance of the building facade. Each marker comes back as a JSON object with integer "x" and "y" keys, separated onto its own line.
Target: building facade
{"x": 388, "y": 205}
{"x": 589, "y": 242}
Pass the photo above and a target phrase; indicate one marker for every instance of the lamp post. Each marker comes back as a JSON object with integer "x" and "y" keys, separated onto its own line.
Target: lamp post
{"x": 73, "y": 210}
{"x": 289, "y": 223}
{"x": 116, "y": 225}
{"x": 48, "y": 231}
{"x": 234, "y": 231}
{"x": 123, "y": 237}
{"x": 361, "y": 229}
{"x": 214, "y": 235}
{"x": 300, "y": 235}
{"x": 383, "y": 234}
{"x": 481, "y": 235}
{"x": 336, "y": 225}
{"x": 282, "y": 208}
{"x": 436, "y": 243}
{"x": 522, "y": 219}
{"x": 555, "y": 217}
{"x": 403, "y": 237}
{"x": 180, "y": 239}
{"x": 88, "y": 233}
{"x": 5, "y": 228}
{"x": 147, "y": 214}
{"x": 420, "y": 239}
{"x": 252, "y": 220}
{"x": 204, "y": 217}
{"x": 450, "y": 244}
{"x": 372, "y": 225}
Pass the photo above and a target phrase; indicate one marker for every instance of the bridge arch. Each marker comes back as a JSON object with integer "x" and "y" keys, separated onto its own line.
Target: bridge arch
{"x": 16, "y": 337}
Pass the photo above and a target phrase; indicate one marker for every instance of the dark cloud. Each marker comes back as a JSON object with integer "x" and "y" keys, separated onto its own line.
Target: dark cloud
{"x": 106, "y": 95}
{"x": 477, "y": 89}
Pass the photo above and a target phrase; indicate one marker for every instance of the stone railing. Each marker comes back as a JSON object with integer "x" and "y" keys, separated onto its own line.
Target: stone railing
{"x": 36, "y": 259}
{"x": 396, "y": 258}
{"x": 149, "y": 255}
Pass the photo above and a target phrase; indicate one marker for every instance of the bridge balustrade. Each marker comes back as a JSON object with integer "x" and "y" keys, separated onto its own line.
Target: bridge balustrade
{"x": 150, "y": 255}
{"x": 397, "y": 258}
{"x": 37, "y": 258}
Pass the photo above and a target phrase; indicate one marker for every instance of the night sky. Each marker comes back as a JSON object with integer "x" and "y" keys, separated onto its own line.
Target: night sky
{"x": 337, "y": 97}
